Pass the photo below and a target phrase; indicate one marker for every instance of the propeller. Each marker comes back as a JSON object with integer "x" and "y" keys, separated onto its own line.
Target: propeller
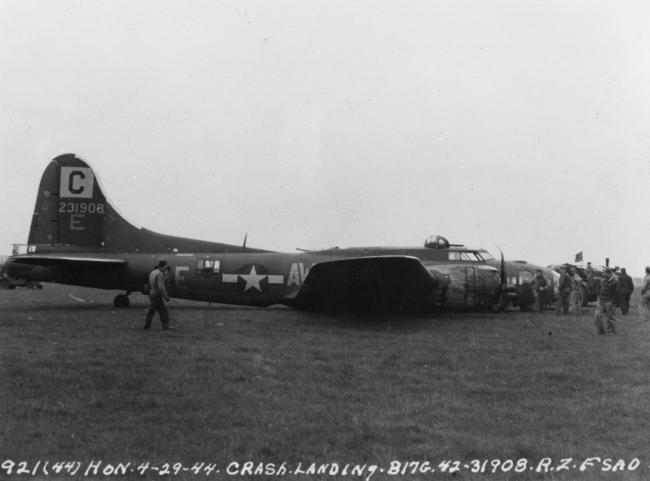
{"x": 504, "y": 283}
{"x": 502, "y": 271}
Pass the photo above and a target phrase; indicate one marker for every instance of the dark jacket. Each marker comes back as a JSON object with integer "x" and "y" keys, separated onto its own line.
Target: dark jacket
{"x": 625, "y": 283}
{"x": 564, "y": 283}
{"x": 608, "y": 289}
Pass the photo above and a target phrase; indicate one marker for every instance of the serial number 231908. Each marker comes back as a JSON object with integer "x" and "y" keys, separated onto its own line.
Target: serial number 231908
{"x": 81, "y": 208}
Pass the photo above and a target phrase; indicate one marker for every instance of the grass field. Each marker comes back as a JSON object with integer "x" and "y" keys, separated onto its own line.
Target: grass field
{"x": 82, "y": 381}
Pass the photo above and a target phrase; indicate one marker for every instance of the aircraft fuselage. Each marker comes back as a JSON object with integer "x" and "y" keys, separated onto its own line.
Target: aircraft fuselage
{"x": 77, "y": 237}
{"x": 254, "y": 279}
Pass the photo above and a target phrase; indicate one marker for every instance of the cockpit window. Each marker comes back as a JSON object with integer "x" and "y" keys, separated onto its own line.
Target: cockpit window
{"x": 478, "y": 257}
{"x": 468, "y": 256}
{"x": 486, "y": 255}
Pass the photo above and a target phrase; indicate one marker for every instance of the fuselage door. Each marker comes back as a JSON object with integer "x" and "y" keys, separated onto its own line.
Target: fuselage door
{"x": 206, "y": 276}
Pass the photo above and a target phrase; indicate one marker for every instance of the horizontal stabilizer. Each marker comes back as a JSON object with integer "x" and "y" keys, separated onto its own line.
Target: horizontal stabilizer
{"x": 47, "y": 261}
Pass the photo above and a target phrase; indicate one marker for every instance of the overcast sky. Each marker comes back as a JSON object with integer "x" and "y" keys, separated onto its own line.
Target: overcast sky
{"x": 523, "y": 124}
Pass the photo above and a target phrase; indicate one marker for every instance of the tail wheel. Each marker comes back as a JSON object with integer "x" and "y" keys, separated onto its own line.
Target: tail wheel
{"x": 121, "y": 300}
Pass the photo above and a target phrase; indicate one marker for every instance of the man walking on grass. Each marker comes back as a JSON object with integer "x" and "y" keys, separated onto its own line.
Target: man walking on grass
{"x": 158, "y": 296}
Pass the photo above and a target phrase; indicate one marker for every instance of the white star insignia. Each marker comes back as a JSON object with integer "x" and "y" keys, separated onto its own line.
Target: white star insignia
{"x": 253, "y": 280}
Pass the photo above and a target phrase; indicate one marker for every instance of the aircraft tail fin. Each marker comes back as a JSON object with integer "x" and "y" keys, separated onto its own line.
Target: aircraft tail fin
{"x": 72, "y": 210}
{"x": 70, "y": 206}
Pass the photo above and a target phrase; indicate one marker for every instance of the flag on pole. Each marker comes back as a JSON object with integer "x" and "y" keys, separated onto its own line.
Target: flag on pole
{"x": 579, "y": 257}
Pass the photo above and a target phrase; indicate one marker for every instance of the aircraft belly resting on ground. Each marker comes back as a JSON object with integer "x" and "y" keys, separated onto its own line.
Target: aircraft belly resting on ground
{"x": 78, "y": 238}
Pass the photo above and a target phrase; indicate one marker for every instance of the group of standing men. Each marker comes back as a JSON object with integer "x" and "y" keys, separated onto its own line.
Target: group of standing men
{"x": 614, "y": 290}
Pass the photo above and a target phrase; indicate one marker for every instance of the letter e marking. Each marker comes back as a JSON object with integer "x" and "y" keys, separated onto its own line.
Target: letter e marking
{"x": 75, "y": 222}
{"x": 179, "y": 275}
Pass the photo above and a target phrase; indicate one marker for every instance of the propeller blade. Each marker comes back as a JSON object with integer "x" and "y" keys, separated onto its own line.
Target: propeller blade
{"x": 504, "y": 284}
{"x": 502, "y": 271}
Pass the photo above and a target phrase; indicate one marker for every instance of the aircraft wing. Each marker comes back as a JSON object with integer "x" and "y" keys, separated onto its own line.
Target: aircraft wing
{"x": 67, "y": 261}
{"x": 363, "y": 282}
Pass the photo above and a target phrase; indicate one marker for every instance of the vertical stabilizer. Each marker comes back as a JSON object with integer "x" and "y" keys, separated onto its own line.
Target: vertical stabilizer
{"x": 70, "y": 206}
{"x": 72, "y": 210}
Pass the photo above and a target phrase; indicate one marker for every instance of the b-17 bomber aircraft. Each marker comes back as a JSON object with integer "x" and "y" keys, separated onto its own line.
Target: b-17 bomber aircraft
{"x": 78, "y": 238}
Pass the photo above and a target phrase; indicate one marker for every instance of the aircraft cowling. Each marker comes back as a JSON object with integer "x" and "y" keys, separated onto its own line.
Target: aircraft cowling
{"x": 466, "y": 286}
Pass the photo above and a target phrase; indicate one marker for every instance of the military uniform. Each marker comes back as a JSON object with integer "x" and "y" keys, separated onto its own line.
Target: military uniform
{"x": 608, "y": 291}
{"x": 645, "y": 296}
{"x": 625, "y": 289}
{"x": 564, "y": 290}
{"x": 157, "y": 297}
{"x": 576, "y": 294}
{"x": 539, "y": 287}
